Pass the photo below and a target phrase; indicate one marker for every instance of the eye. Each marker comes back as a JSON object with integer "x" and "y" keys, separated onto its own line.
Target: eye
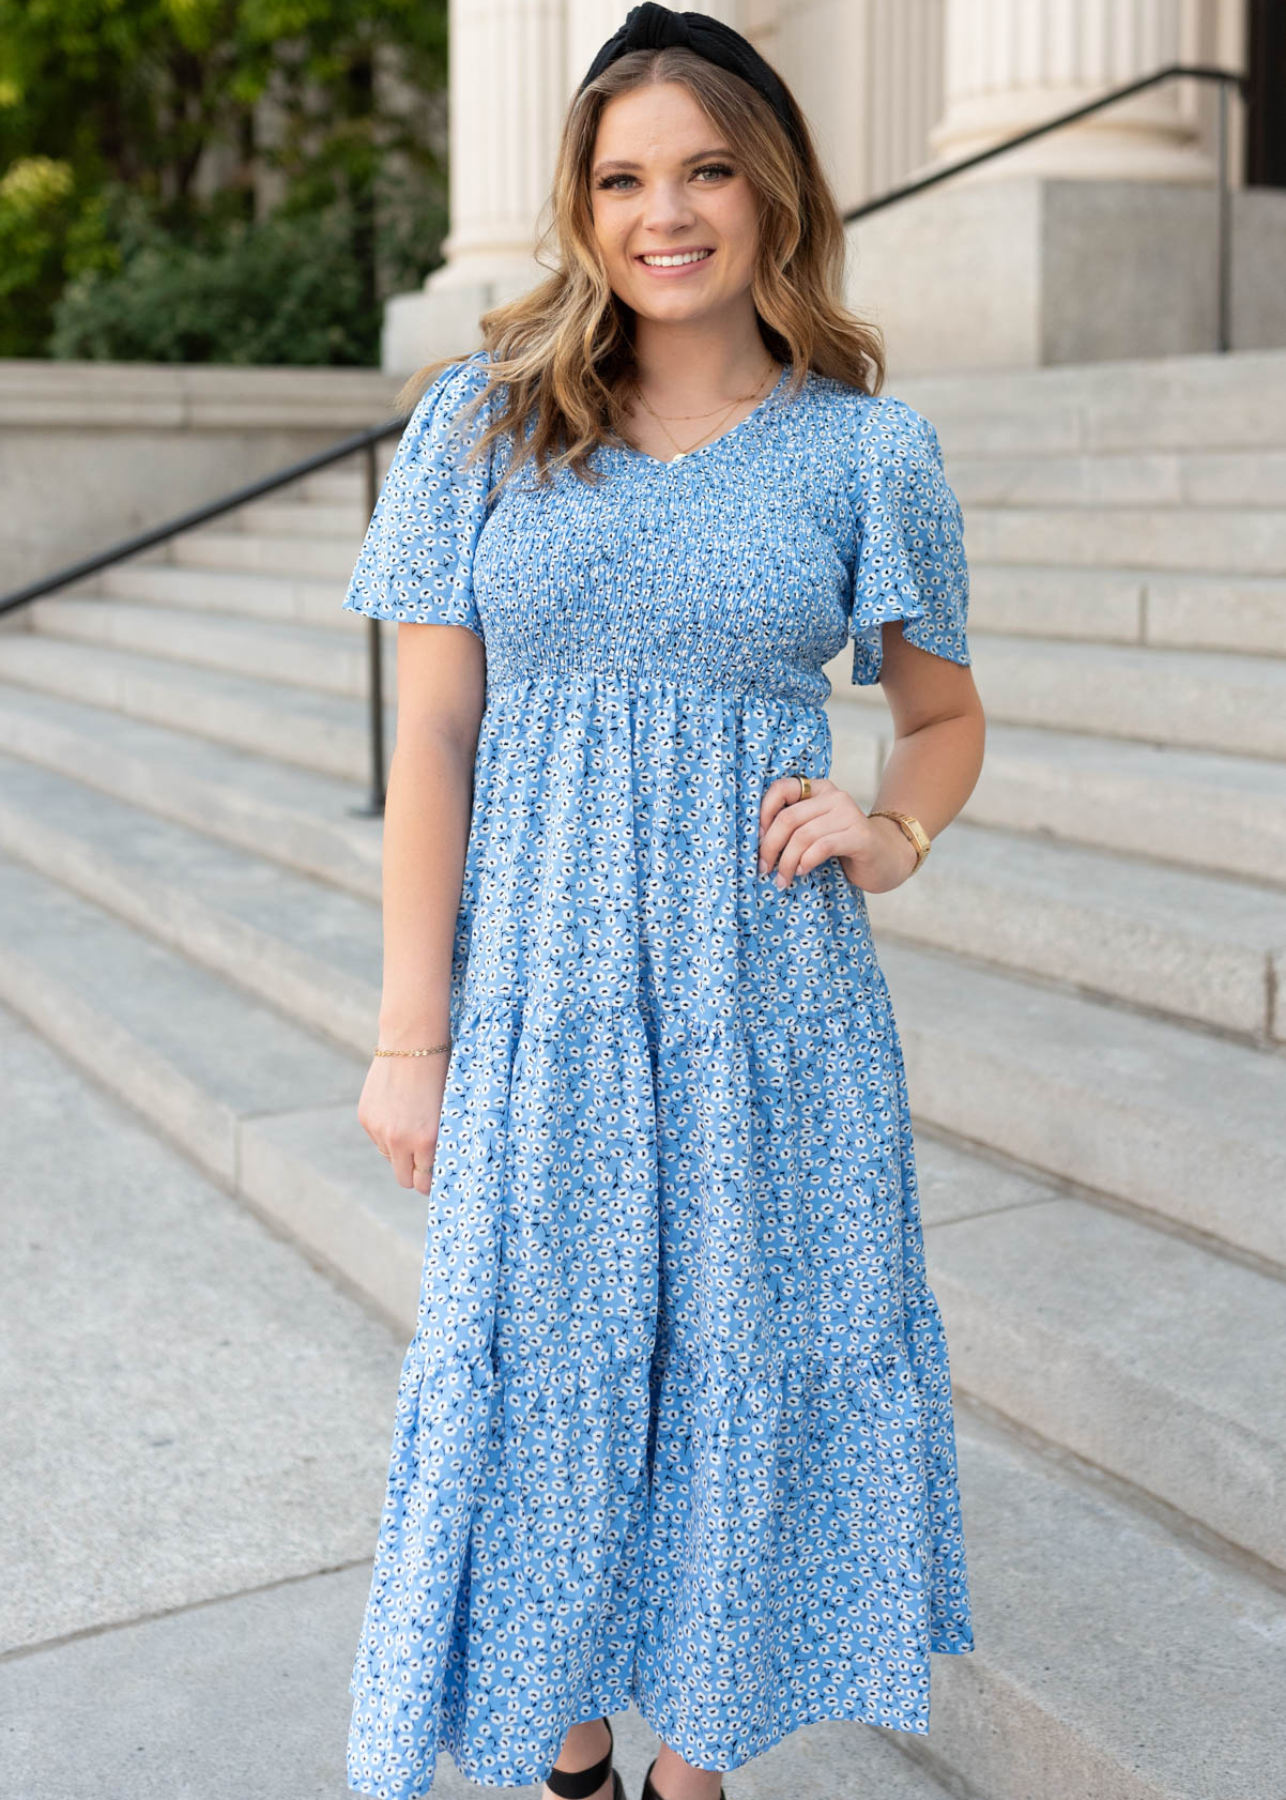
{"x": 720, "y": 169}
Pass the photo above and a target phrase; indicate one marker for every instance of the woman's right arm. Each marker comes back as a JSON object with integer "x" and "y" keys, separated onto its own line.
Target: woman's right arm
{"x": 441, "y": 679}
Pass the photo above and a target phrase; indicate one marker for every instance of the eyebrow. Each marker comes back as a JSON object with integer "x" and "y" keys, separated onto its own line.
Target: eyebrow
{"x": 696, "y": 157}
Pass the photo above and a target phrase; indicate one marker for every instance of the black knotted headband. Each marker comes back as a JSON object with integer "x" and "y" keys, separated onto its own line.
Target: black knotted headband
{"x": 650, "y": 27}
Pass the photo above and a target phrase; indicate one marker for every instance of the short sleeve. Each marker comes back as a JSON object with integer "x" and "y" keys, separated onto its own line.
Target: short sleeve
{"x": 416, "y": 561}
{"x": 909, "y": 560}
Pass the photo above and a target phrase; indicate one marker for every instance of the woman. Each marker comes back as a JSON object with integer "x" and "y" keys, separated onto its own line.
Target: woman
{"x": 675, "y": 1426}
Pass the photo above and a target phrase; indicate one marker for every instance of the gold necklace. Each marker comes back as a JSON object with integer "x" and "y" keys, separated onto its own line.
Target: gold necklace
{"x": 680, "y": 454}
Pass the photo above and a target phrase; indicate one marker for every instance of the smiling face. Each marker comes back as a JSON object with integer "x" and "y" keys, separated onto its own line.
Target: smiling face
{"x": 675, "y": 217}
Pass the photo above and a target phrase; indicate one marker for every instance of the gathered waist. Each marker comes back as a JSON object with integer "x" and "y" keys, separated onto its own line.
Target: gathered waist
{"x": 614, "y": 686}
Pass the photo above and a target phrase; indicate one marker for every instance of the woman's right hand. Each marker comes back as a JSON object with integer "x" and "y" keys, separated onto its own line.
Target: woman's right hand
{"x": 400, "y": 1110}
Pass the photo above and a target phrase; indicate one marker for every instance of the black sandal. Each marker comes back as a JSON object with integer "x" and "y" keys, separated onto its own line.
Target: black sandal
{"x": 650, "y": 1793}
{"x": 575, "y": 1784}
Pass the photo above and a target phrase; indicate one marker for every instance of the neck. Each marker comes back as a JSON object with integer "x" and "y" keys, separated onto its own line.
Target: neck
{"x": 691, "y": 363}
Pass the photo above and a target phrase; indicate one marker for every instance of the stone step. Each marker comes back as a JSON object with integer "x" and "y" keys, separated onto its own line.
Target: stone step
{"x": 1195, "y": 477}
{"x": 282, "y": 599}
{"x": 1174, "y": 1121}
{"x": 1193, "y": 808}
{"x": 1200, "y": 947}
{"x": 193, "y": 1054}
{"x": 343, "y": 485}
{"x": 1226, "y": 540}
{"x": 1156, "y": 607}
{"x": 323, "y": 732}
{"x": 1138, "y": 1350}
{"x": 1198, "y": 700}
{"x": 256, "y": 1100}
{"x": 265, "y": 553}
{"x": 1235, "y": 401}
{"x": 307, "y": 948}
{"x": 294, "y": 817}
{"x": 291, "y": 653}
{"x": 297, "y": 516}
{"x": 210, "y": 1411}
{"x": 1112, "y": 1660}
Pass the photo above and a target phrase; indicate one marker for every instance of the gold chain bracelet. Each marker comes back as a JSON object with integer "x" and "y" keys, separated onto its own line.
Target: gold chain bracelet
{"x": 433, "y": 1050}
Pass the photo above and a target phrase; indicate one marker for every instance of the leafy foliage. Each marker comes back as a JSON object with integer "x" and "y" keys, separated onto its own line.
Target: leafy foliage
{"x": 237, "y": 180}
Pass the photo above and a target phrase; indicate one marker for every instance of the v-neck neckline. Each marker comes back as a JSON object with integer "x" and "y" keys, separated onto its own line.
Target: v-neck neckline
{"x": 756, "y": 412}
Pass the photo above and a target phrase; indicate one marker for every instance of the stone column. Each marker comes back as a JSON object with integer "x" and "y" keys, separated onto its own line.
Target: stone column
{"x": 507, "y": 96}
{"x": 1012, "y": 63}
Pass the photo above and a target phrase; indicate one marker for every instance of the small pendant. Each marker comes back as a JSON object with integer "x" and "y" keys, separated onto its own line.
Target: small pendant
{"x": 679, "y": 457}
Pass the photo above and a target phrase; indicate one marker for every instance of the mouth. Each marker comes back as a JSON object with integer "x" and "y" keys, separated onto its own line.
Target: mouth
{"x": 674, "y": 262}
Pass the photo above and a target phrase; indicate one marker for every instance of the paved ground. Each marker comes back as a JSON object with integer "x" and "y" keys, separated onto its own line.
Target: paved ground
{"x": 192, "y": 1457}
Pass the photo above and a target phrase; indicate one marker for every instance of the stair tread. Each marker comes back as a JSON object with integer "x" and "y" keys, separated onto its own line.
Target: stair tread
{"x": 230, "y": 1046}
{"x": 29, "y": 656}
{"x": 1168, "y": 1116}
{"x": 260, "y": 794}
{"x": 1215, "y": 581}
{"x": 1107, "y": 885}
{"x": 1136, "y": 759}
{"x": 230, "y": 593}
{"x": 1110, "y": 1657}
{"x": 1149, "y": 662}
{"x": 167, "y": 867}
{"x": 1140, "y": 1350}
{"x": 101, "y": 618}
{"x": 1237, "y": 1088}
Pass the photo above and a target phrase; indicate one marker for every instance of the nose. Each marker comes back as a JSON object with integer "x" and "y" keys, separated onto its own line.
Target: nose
{"x": 667, "y": 209}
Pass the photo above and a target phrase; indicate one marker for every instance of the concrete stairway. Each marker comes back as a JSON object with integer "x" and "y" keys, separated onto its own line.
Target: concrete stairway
{"x": 1088, "y": 974}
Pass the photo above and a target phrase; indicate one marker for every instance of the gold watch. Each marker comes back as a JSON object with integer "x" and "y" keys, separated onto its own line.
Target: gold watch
{"x": 912, "y": 829}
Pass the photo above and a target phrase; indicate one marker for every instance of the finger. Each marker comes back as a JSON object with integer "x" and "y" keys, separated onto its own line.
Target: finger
{"x": 774, "y": 826}
{"x": 789, "y": 820}
{"x": 784, "y": 791}
{"x": 806, "y": 849}
{"x": 403, "y": 1160}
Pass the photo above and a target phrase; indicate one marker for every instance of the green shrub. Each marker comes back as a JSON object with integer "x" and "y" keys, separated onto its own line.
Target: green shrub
{"x": 283, "y": 291}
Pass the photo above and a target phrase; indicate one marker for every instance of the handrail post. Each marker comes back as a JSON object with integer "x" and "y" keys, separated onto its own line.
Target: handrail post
{"x": 1224, "y": 273}
{"x": 375, "y": 648}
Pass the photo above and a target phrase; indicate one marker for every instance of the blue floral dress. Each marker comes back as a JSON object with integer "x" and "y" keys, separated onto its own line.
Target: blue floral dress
{"x": 675, "y": 1425}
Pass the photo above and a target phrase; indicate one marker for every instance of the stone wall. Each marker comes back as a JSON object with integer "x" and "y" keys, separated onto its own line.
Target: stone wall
{"x": 92, "y": 452}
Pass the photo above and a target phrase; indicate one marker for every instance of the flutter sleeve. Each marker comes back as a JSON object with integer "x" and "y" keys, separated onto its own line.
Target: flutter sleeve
{"x": 416, "y": 561}
{"x": 909, "y": 560}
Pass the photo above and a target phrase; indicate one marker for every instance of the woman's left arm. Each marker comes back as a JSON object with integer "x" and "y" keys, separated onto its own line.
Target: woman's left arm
{"x": 940, "y": 732}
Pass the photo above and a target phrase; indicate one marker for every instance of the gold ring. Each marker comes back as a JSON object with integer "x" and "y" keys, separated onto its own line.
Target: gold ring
{"x": 805, "y": 786}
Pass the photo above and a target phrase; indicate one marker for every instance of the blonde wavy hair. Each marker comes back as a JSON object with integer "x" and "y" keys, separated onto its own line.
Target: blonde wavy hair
{"x": 564, "y": 351}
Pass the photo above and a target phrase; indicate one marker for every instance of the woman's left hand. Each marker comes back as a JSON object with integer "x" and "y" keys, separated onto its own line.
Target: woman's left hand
{"x": 796, "y": 835}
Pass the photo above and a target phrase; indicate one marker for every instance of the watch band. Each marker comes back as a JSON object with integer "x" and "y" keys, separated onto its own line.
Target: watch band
{"x": 911, "y": 828}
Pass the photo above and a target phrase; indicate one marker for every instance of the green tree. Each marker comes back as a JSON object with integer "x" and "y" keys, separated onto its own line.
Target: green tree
{"x": 126, "y": 125}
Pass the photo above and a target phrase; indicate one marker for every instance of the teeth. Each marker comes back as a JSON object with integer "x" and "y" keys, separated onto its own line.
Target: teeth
{"x": 670, "y": 262}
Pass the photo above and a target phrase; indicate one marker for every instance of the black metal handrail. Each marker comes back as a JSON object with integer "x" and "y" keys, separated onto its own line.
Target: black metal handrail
{"x": 366, "y": 441}
{"x": 1226, "y": 78}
